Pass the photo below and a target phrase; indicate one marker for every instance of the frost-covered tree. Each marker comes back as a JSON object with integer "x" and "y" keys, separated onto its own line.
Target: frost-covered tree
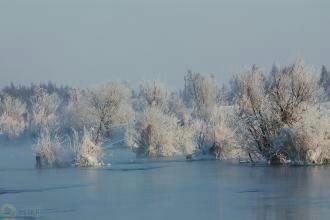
{"x": 12, "y": 122}
{"x": 291, "y": 90}
{"x": 200, "y": 93}
{"x": 77, "y": 114}
{"x": 110, "y": 103}
{"x": 264, "y": 113}
{"x": 256, "y": 125}
{"x": 153, "y": 93}
{"x": 44, "y": 111}
{"x": 162, "y": 127}
{"x": 212, "y": 134}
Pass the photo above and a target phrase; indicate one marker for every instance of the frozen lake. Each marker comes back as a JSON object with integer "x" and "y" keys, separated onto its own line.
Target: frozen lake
{"x": 155, "y": 189}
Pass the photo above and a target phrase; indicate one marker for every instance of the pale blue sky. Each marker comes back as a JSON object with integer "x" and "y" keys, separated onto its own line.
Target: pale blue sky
{"x": 87, "y": 42}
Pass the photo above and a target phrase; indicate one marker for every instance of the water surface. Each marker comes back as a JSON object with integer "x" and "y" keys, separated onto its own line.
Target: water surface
{"x": 156, "y": 189}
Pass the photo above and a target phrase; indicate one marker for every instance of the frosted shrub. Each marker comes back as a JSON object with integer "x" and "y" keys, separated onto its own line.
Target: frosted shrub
{"x": 302, "y": 145}
{"x": 216, "y": 135}
{"x": 159, "y": 134}
{"x": 48, "y": 148}
{"x": 12, "y": 122}
{"x": 87, "y": 153}
{"x": 274, "y": 121}
{"x": 315, "y": 131}
{"x": 156, "y": 133}
{"x": 55, "y": 153}
{"x": 291, "y": 145}
{"x": 224, "y": 144}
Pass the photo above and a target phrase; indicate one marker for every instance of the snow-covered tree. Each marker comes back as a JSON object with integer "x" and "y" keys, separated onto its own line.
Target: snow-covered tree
{"x": 44, "y": 111}
{"x": 77, "y": 114}
{"x": 200, "y": 93}
{"x": 110, "y": 103}
{"x": 212, "y": 134}
{"x": 256, "y": 125}
{"x": 153, "y": 93}
{"x": 264, "y": 114}
{"x": 162, "y": 127}
{"x": 12, "y": 121}
{"x": 291, "y": 90}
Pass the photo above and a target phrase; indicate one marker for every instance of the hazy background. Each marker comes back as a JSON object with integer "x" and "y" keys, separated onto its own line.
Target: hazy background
{"x": 84, "y": 42}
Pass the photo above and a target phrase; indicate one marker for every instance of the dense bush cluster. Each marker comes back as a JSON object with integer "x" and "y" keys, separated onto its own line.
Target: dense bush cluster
{"x": 280, "y": 117}
{"x": 274, "y": 113}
